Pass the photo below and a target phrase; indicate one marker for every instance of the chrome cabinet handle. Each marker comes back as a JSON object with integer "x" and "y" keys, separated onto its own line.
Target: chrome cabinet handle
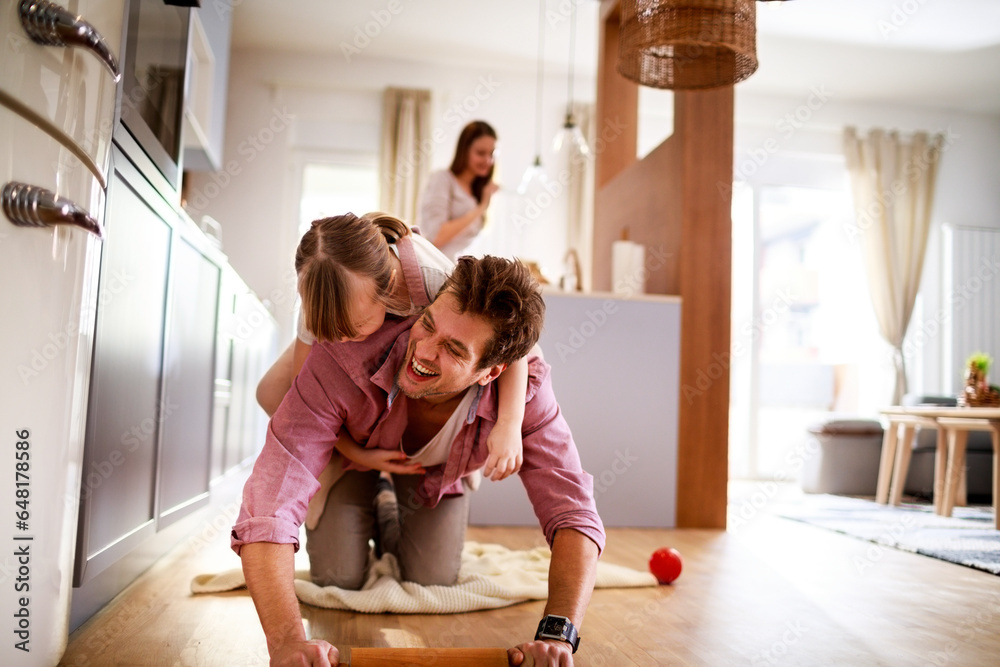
{"x": 49, "y": 24}
{"x": 31, "y": 206}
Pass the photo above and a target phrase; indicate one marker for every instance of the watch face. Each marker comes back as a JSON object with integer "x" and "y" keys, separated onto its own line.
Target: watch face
{"x": 556, "y": 626}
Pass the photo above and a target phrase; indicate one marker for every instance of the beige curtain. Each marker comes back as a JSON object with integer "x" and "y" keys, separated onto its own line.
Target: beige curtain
{"x": 892, "y": 181}
{"x": 406, "y": 148}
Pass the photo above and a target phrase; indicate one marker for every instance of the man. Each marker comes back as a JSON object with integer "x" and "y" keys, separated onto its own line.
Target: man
{"x": 398, "y": 390}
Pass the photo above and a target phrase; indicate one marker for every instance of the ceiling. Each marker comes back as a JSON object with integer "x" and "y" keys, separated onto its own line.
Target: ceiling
{"x": 935, "y": 53}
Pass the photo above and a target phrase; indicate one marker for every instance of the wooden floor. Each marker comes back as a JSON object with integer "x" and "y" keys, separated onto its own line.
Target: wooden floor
{"x": 772, "y": 592}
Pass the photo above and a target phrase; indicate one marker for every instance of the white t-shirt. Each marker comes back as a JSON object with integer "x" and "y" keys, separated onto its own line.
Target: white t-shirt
{"x": 434, "y": 269}
{"x": 444, "y": 199}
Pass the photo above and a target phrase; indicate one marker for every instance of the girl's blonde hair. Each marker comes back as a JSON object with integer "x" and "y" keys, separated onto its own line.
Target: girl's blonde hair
{"x": 333, "y": 246}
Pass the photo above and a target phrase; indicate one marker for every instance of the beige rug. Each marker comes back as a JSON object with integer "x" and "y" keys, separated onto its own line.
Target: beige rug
{"x": 491, "y": 576}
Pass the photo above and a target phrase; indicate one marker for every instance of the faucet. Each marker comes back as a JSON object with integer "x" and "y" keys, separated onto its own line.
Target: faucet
{"x": 572, "y": 281}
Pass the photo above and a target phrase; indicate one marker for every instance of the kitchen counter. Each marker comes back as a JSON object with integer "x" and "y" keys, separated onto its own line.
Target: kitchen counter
{"x": 615, "y": 364}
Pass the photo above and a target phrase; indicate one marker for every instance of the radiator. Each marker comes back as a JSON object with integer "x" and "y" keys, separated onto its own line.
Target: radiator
{"x": 971, "y": 283}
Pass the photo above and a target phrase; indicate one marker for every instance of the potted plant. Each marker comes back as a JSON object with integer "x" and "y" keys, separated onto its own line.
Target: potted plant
{"x": 977, "y": 391}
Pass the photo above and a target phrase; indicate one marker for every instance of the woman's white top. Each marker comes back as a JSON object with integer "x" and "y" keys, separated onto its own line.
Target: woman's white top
{"x": 444, "y": 199}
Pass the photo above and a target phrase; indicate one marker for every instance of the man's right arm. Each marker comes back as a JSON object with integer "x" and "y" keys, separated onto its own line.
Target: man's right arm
{"x": 269, "y": 569}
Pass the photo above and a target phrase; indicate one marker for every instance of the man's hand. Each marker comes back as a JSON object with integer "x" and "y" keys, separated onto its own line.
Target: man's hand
{"x": 311, "y": 653}
{"x": 541, "y": 653}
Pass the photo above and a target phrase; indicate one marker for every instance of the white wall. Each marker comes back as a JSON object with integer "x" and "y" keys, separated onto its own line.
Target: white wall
{"x": 281, "y": 103}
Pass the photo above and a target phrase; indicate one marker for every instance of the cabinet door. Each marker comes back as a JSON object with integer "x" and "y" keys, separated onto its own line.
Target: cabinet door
{"x": 189, "y": 378}
{"x": 123, "y": 419}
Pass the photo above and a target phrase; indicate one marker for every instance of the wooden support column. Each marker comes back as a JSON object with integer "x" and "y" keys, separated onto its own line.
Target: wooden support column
{"x": 617, "y": 104}
{"x": 703, "y": 122}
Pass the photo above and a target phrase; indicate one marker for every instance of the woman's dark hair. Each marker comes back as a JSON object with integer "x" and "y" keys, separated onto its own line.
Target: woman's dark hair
{"x": 471, "y": 132}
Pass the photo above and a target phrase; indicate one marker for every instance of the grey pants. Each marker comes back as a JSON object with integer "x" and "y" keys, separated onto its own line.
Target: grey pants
{"x": 428, "y": 544}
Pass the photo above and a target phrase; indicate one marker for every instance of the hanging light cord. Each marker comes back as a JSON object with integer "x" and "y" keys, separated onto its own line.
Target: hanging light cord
{"x": 538, "y": 83}
{"x": 572, "y": 57}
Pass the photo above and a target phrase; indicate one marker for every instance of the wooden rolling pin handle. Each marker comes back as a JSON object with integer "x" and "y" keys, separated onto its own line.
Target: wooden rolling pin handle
{"x": 427, "y": 657}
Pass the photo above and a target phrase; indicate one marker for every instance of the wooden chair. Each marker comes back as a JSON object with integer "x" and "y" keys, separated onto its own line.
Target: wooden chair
{"x": 896, "y": 454}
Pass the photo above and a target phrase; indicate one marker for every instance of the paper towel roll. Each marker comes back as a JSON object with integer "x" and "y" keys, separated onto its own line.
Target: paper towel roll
{"x": 628, "y": 268}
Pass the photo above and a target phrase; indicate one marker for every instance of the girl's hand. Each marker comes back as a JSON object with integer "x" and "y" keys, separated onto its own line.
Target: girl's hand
{"x": 504, "y": 443}
{"x": 387, "y": 460}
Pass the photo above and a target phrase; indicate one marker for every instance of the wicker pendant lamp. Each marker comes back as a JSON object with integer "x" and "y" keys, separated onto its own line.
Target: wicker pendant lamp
{"x": 687, "y": 44}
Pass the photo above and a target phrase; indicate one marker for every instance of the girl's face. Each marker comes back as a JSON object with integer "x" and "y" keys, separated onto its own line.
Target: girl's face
{"x": 481, "y": 155}
{"x": 367, "y": 313}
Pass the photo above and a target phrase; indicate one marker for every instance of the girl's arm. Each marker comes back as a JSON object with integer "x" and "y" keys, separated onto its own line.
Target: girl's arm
{"x": 386, "y": 460}
{"x": 504, "y": 441}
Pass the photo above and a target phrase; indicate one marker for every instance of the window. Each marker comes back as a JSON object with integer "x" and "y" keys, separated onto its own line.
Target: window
{"x": 802, "y": 320}
{"x": 333, "y": 187}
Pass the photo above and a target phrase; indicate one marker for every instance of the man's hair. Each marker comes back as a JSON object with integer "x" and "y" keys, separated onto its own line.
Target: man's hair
{"x": 504, "y": 293}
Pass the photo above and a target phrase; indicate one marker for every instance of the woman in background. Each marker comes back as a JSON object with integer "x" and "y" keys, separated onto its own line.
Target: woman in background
{"x": 453, "y": 204}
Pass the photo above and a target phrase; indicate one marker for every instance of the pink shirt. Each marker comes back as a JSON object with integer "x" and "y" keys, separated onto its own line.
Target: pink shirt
{"x": 358, "y": 393}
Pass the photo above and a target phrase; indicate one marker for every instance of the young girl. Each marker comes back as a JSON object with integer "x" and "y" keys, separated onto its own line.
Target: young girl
{"x": 352, "y": 271}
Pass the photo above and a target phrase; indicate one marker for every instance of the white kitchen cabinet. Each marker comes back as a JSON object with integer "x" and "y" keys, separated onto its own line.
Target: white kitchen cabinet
{"x": 47, "y": 298}
{"x": 70, "y": 92}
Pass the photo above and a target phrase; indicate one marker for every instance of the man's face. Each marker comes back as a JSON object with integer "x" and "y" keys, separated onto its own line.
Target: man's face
{"x": 444, "y": 352}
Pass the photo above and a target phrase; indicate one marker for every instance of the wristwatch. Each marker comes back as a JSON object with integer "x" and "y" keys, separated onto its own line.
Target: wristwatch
{"x": 559, "y": 628}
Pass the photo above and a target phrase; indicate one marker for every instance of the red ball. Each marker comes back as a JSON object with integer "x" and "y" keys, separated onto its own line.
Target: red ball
{"x": 666, "y": 564}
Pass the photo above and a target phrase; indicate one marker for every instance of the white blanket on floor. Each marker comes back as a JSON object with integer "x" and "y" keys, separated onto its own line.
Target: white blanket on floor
{"x": 491, "y": 576}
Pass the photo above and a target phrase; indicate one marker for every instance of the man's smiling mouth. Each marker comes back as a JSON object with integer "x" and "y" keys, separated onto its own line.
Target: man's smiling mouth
{"x": 421, "y": 370}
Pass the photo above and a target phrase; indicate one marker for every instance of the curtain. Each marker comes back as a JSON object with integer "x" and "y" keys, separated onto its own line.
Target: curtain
{"x": 406, "y": 147}
{"x": 892, "y": 182}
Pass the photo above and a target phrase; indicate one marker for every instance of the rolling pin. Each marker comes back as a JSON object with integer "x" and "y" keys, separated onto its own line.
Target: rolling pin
{"x": 427, "y": 657}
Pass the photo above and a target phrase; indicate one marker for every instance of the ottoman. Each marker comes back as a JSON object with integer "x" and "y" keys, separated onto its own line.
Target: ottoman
{"x": 842, "y": 457}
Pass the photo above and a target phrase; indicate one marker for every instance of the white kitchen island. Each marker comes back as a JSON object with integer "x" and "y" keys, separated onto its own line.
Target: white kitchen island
{"x": 615, "y": 367}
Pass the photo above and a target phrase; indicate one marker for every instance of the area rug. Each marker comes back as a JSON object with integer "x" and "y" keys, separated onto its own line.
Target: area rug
{"x": 491, "y": 576}
{"x": 967, "y": 537}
